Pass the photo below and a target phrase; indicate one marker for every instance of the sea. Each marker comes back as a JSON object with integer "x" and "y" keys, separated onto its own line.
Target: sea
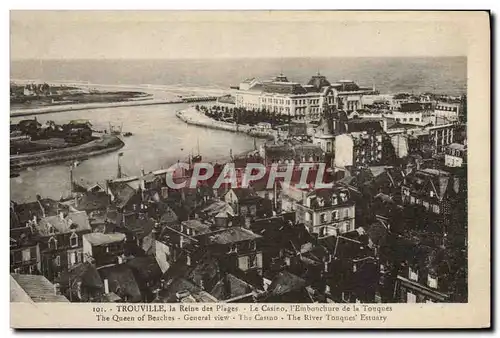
{"x": 160, "y": 139}
{"x": 447, "y": 75}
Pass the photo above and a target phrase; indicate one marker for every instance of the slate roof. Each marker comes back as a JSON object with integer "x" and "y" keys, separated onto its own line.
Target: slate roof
{"x": 229, "y": 287}
{"x": 38, "y": 288}
{"x": 145, "y": 268}
{"x": 245, "y": 194}
{"x": 196, "y": 225}
{"x": 140, "y": 226}
{"x": 232, "y": 235}
{"x": 358, "y": 125}
{"x": 285, "y": 282}
{"x": 440, "y": 180}
{"x": 84, "y": 272}
{"x": 75, "y": 220}
{"x": 91, "y": 201}
{"x": 122, "y": 193}
{"x": 45, "y": 206}
{"x": 97, "y": 238}
{"x": 318, "y": 81}
{"x": 121, "y": 281}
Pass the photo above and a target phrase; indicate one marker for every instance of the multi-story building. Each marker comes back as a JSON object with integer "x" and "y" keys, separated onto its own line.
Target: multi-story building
{"x": 60, "y": 241}
{"x": 358, "y": 149}
{"x": 302, "y": 102}
{"x": 434, "y": 189}
{"x": 441, "y": 136}
{"x": 449, "y": 111}
{"x": 103, "y": 249}
{"x": 24, "y": 251}
{"x": 455, "y": 155}
{"x": 326, "y": 212}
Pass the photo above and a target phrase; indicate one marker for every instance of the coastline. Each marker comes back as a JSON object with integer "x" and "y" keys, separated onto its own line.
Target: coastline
{"x": 105, "y": 144}
{"x": 193, "y": 117}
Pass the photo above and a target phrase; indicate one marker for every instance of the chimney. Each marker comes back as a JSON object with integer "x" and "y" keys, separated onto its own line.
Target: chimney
{"x": 106, "y": 286}
{"x": 120, "y": 259}
{"x": 57, "y": 289}
{"x": 35, "y": 221}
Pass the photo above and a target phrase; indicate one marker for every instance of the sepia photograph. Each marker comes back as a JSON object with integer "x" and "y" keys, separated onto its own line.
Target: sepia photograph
{"x": 243, "y": 168}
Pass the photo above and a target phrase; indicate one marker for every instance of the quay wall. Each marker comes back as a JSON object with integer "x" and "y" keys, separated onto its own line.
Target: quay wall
{"x": 100, "y": 146}
{"x": 193, "y": 117}
{"x": 85, "y": 106}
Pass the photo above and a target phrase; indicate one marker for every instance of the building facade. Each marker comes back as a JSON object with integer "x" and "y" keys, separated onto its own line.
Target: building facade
{"x": 455, "y": 155}
{"x": 60, "y": 241}
{"x": 358, "y": 149}
{"x": 327, "y": 212}
{"x": 449, "y": 111}
{"x": 300, "y": 102}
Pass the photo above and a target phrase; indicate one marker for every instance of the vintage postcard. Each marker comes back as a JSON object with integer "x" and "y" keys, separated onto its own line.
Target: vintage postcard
{"x": 249, "y": 169}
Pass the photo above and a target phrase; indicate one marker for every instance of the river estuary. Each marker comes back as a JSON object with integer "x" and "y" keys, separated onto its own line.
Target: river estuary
{"x": 159, "y": 140}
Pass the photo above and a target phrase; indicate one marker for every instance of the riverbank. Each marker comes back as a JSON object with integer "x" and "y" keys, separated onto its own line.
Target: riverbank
{"x": 194, "y": 117}
{"x": 105, "y": 144}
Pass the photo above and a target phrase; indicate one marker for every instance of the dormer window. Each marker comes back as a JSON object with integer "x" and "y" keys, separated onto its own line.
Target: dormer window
{"x": 413, "y": 274}
{"x": 233, "y": 248}
{"x": 52, "y": 230}
{"x": 431, "y": 193}
{"x": 52, "y": 243}
{"x": 73, "y": 240}
{"x": 252, "y": 245}
{"x": 432, "y": 282}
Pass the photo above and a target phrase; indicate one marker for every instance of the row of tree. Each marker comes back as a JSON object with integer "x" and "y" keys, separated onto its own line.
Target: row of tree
{"x": 241, "y": 115}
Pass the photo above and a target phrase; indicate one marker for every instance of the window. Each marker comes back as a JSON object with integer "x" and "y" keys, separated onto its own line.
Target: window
{"x": 52, "y": 243}
{"x": 432, "y": 282}
{"x": 335, "y": 215}
{"x": 188, "y": 260}
{"x": 233, "y": 248}
{"x": 252, "y": 245}
{"x": 322, "y": 218}
{"x": 413, "y": 275}
{"x": 252, "y": 261}
{"x": 52, "y": 230}
{"x": 435, "y": 208}
{"x": 73, "y": 258}
{"x": 26, "y": 255}
{"x": 73, "y": 240}
{"x": 57, "y": 261}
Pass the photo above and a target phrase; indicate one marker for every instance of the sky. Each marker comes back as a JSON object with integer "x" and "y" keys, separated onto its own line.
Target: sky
{"x": 177, "y": 35}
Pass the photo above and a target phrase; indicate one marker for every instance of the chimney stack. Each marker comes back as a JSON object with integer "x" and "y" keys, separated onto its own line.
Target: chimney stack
{"x": 57, "y": 289}
{"x": 106, "y": 286}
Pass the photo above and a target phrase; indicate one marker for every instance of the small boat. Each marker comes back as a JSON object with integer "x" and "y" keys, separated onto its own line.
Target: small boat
{"x": 127, "y": 134}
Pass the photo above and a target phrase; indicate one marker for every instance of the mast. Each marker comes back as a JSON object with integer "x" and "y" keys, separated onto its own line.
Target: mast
{"x": 119, "y": 166}
{"x": 71, "y": 179}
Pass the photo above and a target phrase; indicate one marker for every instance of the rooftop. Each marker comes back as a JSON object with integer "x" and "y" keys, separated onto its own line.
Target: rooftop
{"x": 59, "y": 224}
{"x": 232, "y": 235}
{"x": 37, "y": 288}
{"x": 97, "y": 238}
